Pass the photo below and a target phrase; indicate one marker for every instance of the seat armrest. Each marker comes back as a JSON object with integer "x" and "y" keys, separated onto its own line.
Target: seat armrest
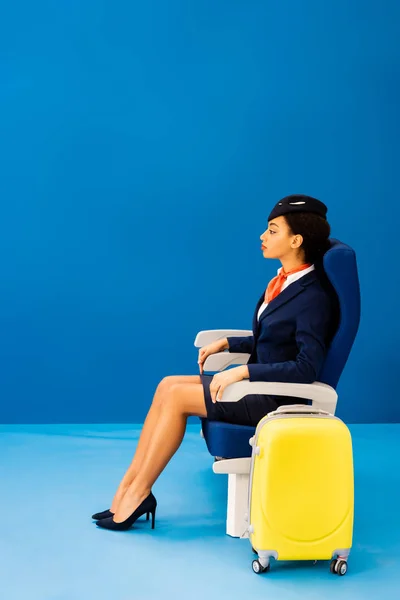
{"x": 323, "y": 396}
{"x": 212, "y": 335}
{"x": 221, "y": 360}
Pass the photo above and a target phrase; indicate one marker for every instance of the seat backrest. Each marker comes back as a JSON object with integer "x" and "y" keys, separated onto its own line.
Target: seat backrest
{"x": 338, "y": 270}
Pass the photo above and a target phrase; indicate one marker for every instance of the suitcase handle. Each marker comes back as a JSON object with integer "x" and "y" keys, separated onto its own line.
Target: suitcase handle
{"x": 298, "y": 409}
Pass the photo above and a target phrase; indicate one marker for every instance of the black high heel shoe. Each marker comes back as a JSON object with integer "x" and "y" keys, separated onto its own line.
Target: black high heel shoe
{"x": 148, "y": 506}
{"x": 106, "y": 514}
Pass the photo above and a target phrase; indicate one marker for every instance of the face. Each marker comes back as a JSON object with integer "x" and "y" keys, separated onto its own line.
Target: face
{"x": 278, "y": 241}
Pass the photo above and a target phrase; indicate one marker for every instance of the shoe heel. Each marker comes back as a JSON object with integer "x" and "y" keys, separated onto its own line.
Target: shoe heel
{"x": 153, "y": 519}
{"x": 147, "y": 516}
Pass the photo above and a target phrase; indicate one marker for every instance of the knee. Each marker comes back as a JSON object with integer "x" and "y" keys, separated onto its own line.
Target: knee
{"x": 166, "y": 383}
{"x": 164, "y": 389}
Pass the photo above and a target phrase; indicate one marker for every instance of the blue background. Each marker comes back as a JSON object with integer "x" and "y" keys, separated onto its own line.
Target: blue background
{"x": 142, "y": 146}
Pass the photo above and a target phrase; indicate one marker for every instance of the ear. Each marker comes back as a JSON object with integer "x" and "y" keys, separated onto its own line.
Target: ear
{"x": 297, "y": 241}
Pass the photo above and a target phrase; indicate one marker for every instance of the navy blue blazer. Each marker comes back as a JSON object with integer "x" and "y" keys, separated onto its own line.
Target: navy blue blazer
{"x": 289, "y": 341}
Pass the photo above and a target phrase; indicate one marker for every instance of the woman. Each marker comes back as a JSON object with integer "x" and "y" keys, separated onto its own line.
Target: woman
{"x": 291, "y": 329}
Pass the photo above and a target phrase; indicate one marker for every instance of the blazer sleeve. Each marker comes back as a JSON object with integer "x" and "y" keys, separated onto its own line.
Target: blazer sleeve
{"x": 312, "y": 330}
{"x": 241, "y": 344}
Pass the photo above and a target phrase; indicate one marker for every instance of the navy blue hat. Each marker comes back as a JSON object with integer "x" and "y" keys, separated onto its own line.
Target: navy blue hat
{"x": 298, "y": 203}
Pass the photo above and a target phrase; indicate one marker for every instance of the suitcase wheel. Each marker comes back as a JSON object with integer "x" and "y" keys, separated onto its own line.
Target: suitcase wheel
{"x": 338, "y": 567}
{"x": 259, "y": 568}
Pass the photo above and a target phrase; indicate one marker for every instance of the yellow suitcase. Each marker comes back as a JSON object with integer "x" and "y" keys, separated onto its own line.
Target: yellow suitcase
{"x": 301, "y": 490}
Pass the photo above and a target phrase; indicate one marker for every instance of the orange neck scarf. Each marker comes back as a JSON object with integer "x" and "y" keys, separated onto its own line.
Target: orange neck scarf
{"x": 275, "y": 285}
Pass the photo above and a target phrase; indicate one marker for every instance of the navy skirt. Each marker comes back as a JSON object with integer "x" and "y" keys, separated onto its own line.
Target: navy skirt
{"x": 247, "y": 411}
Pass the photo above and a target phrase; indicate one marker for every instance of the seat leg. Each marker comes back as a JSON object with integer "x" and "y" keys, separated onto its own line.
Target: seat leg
{"x": 236, "y": 524}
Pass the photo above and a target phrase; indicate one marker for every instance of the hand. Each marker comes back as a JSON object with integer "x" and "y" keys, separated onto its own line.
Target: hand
{"x": 221, "y": 380}
{"x": 212, "y": 348}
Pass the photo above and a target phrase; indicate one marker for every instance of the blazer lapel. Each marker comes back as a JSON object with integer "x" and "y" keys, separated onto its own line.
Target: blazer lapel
{"x": 293, "y": 290}
{"x": 256, "y": 323}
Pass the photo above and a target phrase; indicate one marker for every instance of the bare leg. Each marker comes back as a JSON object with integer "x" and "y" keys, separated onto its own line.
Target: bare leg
{"x": 147, "y": 433}
{"x": 180, "y": 401}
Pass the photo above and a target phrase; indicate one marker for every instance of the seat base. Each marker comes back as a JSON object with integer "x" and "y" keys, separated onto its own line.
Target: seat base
{"x": 236, "y": 523}
{"x": 238, "y": 471}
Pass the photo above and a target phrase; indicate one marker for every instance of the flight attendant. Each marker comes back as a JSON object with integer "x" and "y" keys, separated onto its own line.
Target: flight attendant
{"x": 292, "y": 326}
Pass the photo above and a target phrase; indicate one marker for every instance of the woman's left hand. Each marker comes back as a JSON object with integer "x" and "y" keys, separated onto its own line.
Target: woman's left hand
{"x": 221, "y": 380}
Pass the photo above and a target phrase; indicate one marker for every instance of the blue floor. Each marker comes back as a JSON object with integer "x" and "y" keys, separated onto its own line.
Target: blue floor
{"x": 54, "y": 476}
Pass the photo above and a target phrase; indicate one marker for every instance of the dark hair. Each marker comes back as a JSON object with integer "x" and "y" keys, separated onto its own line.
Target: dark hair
{"x": 315, "y": 231}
